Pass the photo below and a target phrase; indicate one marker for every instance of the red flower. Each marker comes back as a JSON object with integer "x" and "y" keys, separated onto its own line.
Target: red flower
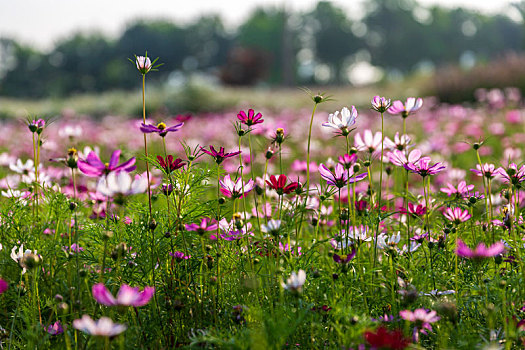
{"x": 279, "y": 185}
{"x": 382, "y": 338}
{"x": 169, "y": 165}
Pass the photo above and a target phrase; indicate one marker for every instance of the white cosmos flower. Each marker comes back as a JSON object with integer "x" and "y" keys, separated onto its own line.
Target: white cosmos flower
{"x": 121, "y": 183}
{"x": 70, "y": 131}
{"x": 295, "y": 282}
{"x": 23, "y": 168}
{"x": 18, "y": 256}
{"x": 342, "y": 121}
{"x": 368, "y": 142}
{"x": 103, "y": 327}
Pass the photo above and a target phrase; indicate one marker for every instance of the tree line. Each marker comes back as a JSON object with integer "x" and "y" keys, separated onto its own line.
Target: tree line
{"x": 273, "y": 46}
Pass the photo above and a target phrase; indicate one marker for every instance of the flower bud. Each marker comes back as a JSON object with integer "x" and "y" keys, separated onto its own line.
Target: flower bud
{"x": 476, "y": 146}
{"x": 269, "y": 153}
{"x": 73, "y": 206}
{"x": 152, "y": 225}
{"x": 366, "y": 163}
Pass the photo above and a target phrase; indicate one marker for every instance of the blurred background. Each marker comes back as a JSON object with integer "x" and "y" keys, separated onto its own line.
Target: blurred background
{"x": 60, "y": 53}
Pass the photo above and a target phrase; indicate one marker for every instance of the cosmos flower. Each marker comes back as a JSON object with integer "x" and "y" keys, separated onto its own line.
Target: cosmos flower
{"x": 168, "y": 164}
{"x": 251, "y": 118}
{"x": 235, "y": 189}
{"x": 414, "y": 211}
{"x": 160, "y": 129}
{"x": 26, "y": 259}
{"x": 342, "y": 124}
{"x": 3, "y": 286}
{"x": 279, "y": 184}
{"x": 341, "y": 177}
{"x": 127, "y": 296}
{"x": 380, "y": 104}
{"x": 400, "y": 142}
{"x": 399, "y": 158}
{"x": 348, "y": 160}
{"x": 411, "y": 105}
{"x": 55, "y": 328}
{"x": 121, "y": 184}
{"x": 272, "y": 227}
{"x": 423, "y": 167}
{"x": 512, "y": 174}
{"x": 93, "y": 166}
{"x": 382, "y": 338}
{"x": 421, "y": 317}
{"x": 344, "y": 259}
{"x": 487, "y": 170}
{"x": 295, "y": 282}
{"x": 103, "y": 327}
{"x": 461, "y": 191}
{"x": 206, "y": 224}
{"x": 143, "y": 64}
{"x": 457, "y": 215}
{"x": 179, "y": 256}
{"x": 481, "y": 251}
{"x": 220, "y": 155}
{"x": 368, "y": 142}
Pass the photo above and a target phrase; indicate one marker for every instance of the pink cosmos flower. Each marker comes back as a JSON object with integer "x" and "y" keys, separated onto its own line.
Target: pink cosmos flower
{"x": 422, "y": 317}
{"x": 487, "y": 170}
{"x": 414, "y": 211}
{"x": 400, "y": 142}
{"x": 457, "y": 215}
{"x": 411, "y": 105}
{"x": 461, "y": 191}
{"x": 235, "y": 189}
{"x": 347, "y": 160}
{"x": 127, "y": 296}
{"x": 368, "y": 142}
{"x": 3, "y": 286}
{"x": 279, "y": 184}
{"x": 220, "y": 155}
{"x": 423, "y": 167}
{"x": 55, "y": 328}
{"x": 512, "y": 174}
{"x": 481, "y": 251}
{"x": 103, "y": 327}
{"x": 341, "y": 176}
{"x": 380, "y": 104}
{"x": 399, "y": 158}
{"x": 143, "y": 64}
{"x": 93, "y": 166}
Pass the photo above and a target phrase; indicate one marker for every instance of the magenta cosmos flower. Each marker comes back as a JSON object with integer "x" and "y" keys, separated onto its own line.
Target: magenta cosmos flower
{"x": 93, "y": 166}
{"x": 160, "y": 129}
{"x": 341, "y": 177}
{"x": 251, "y": 118}
{"x": 457, "y": 215}
{"x": 512, "y": 174}
{"x": 423, "y": 167}
{"x": 169, "y": 165}
{"x": 481, "y": 251}
{"x": 127, "y": 296}
{"x": 461, "y": 191}
{"x": 235, "y": 189}
{"x": 411, "y": 105}
{"x": 380, "y": 104}
{"x": 104, "y": 327}
{"x": 220, "y": 155}
{"x": 422, "y": 317}
{"x": 3, "y": 286}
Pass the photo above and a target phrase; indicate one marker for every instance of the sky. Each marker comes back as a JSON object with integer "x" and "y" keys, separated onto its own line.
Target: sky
{"x": 41, "y": 23}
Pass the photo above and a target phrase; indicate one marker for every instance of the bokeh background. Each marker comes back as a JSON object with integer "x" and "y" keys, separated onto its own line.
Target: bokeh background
{"x": 74, "y": 54}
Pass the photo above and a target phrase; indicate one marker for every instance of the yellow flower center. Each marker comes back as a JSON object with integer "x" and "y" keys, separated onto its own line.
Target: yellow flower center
{"x": 161, "y": 126}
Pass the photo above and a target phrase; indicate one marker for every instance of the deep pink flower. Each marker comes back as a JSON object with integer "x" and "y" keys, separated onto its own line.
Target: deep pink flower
{"x": 348, "y": 160}
{"x": 220, "y": 155}
{"x": 251, "y": 118}
{"x": 414, "y": 211}
{"x": 411, "y": 105}
{"x": 481, "y": 251}
{"x": 3, "y": 286}
{"x": 93, "y": 166}
{"x": 382, "y": 338}
{"x": 169, "y": 165}
{"x": 344, "y": 259}
{"x": 179, "y": 256}
{"x": 279, "y": 185}
{"x": 127, "y": 296}
{"x": 235, "y": 189}
{"x": 160, "y": 129}
{"x": 457, "y": 215}
{"x": 205, "y": 225}
{"x": 512, "y": 174}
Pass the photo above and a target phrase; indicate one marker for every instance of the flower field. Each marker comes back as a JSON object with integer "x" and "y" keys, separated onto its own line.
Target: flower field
{"x": 390, "y": 226}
